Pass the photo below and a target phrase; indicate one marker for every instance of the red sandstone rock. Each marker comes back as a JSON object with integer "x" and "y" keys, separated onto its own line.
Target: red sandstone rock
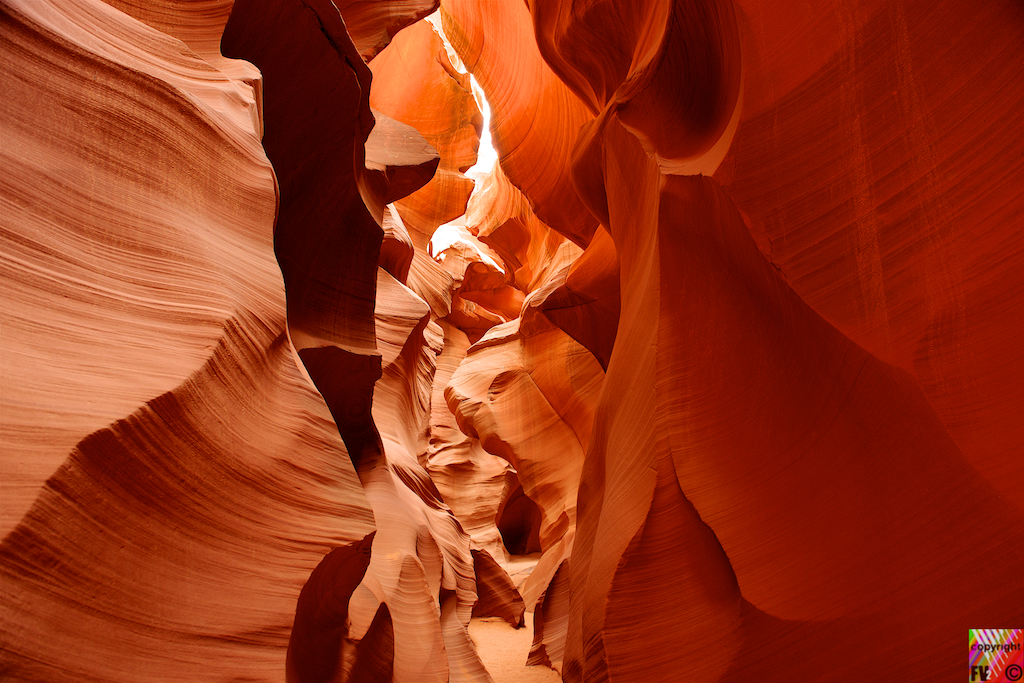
{"x": 483, "y": 295}
{"x": 415, "y": 83}
{"x": 404, "y": 160}
{"x": 373, "y": 24}
{"x": 495, "y": 42}
{"x": 499, "y": 215}
{"x": 252, "y": 358}
{"x": 729, "y": 349}
{"x": 497, "y": 595}
{"x": 193, "y": 476}
{"x": 321, "y": 614}
{"x": 378, "y": 388}
{"x": 810, "y": 417}
{"x": 97, "y": 240}
{"x": 660, "y": 61}
{"x": 527, "y": 391}
{"x": 471, "y": 480}
{"x": 423, "y": 554}
{"x": 878, "y": 167}
{"x": 586, "y": 303}
{"x": 200, "y": 25}
{"x": 396, "y": 250}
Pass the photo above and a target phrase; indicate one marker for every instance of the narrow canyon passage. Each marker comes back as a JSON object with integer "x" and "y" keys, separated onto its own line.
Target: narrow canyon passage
{"x": 499, "y": 341}
{"x": 505, "y": 649}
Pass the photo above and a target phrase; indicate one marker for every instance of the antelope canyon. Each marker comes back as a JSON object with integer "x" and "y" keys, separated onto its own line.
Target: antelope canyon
{"x": 497, "y": 341}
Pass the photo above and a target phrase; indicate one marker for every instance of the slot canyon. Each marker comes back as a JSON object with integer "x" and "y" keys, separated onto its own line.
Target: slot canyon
{"x": 351, "y": 342}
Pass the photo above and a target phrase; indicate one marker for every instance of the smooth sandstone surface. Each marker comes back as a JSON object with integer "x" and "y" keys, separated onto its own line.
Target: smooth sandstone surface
{"x": 728, "y": 339}
{"x": 496, "y": 43}
{"x": 415, "y": 83}
{"x": 90, "y": 245}
{"x": 501, "y": 217}
{"x": 376, "y": 381}
{"x": 900, "y": 224}
{"x": 373, "y": 25}
{"x": 472, "y": 481}
{"x": 174, "y": 476}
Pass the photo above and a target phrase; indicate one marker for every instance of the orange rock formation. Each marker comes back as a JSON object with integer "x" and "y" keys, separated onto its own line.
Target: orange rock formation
{"x": 729, "y": 335}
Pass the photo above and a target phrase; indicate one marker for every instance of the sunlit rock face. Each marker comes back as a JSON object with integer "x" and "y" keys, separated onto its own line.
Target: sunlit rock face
{"x": 729, "y": 336}
{"x": 415, "y": 82}
{"x": 366, "y": 339}
{"x": 496, "y": 43}
{"x": 170, "y": 475}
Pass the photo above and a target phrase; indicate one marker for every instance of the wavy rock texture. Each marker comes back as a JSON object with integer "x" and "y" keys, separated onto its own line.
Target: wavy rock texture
{"x": 162, "y": 328}
{"x": 200, "y": 25}
{"x": 193, "y": 476}
{"x": 471, "y": 480}
{"x": 497, "y": 593}
{"x": 482, "y": 295}
{"x": 659, "y": 61}
{"x": 729, "y": 334}
{"x": 499, "y": 215}
{"x": 328, "y": 250}
{"x": 724, "y": 379}
{"x": 899, "y": 223}
{"x": 422, "y": 568}
{"x": 399, "y": 159}
{"x": 527, "y": 392}
{"x": 832, "y": 501}
{"x": 396, "y": 249}
{"x": 373, "y": 24}
{"x": 416, "y": 83}
{"x": 495, "y": 42}
{"x": 587, "y": 302}
{"x": 702, "y": 323}
{"x": 377, "y": 381}
{"x": 315, "y": 648}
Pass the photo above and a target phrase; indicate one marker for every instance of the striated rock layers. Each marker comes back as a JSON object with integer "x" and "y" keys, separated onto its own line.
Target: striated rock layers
{"x": 171, "y": 478}
{"x": 729, "y": 336}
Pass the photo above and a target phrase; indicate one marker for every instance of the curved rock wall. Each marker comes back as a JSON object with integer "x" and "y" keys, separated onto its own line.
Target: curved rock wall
{"x": 729, "y": 334}
{"x": 170, "y": 478}
{"x": 898, "y": 223}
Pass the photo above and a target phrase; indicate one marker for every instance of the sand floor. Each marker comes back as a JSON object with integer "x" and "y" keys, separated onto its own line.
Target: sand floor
{"x": 504, "y": 649}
